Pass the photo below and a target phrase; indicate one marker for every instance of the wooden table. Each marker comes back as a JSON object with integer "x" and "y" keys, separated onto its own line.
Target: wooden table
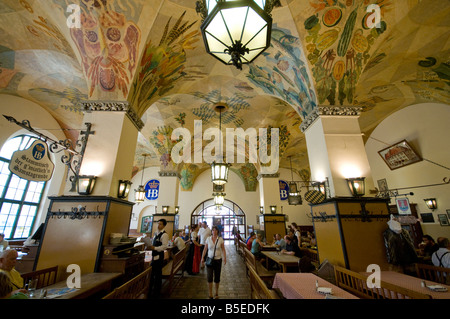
{"x": 284, "y": 260}
{"x": 303, "y": 286}
{"x": 270, "y": 247}
{"x": 90, "y": 284}
{"x": 412, "y": 283}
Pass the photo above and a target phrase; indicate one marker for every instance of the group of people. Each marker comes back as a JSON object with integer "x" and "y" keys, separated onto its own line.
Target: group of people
{"x": 204, "y": 243}
{"x": 436, "y": 253}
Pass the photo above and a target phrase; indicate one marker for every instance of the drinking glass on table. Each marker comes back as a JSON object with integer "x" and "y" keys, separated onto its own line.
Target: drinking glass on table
{"x": 32, "y": 284}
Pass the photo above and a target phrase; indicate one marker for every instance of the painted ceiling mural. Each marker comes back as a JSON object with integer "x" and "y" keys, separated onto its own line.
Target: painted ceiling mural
{"x": 151, "y": 54}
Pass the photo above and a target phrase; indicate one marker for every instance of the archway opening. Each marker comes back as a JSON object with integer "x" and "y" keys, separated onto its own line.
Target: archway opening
{"x": 229, "y": 217}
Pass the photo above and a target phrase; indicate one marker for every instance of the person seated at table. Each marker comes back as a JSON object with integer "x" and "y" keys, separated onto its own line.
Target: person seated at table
{"x": 428, "y": 247}
{"x": 250, "y": 241}
{"x": 293, "y": 237}
{"x": 8, "y": 260}
{"x": 312, "y": 237}
{"x": 238, "y": 235}
{"x": 249, "y": 237}
{"x": 441, "y": 257}
{"x": 184, "y": 236}
{"x": 7, "y": 291}
{"x": 291, "y": 247}
{"x": 178, "y": 243}
{"x": 3, "y": 243}
{"x": 279, "y": 241}
{"x": 257, "y": 247}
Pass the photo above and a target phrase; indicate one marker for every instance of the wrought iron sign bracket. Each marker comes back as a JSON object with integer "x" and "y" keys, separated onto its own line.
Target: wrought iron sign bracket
{"x": 72, "y": 159}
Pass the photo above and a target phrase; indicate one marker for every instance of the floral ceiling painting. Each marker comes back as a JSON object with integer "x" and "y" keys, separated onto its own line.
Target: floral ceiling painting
{"x": 151, "y": 54}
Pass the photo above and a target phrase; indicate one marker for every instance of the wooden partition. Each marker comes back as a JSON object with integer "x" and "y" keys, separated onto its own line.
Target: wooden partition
{"x": 349, "y": 232}
{"x": 272, "y": 224}
{"x": 172, "y": 223}
{"x": 76, "y": 228}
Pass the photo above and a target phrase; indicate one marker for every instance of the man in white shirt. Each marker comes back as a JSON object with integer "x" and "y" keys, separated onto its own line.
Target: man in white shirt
{"x": 159, "y": 244}
{"x": 178, "y": 242}
{"x": 204, "y": 233}
{"x": 441, "y": 257}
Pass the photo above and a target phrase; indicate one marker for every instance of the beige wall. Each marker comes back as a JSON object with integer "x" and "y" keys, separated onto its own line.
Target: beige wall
{"x": 425, "y": 127}
{"x": 40, "y": 120}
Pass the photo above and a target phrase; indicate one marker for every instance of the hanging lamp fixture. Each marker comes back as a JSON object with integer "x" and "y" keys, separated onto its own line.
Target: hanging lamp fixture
{"x": 294, "y": 197}
{"x": 139, "y": 194}
{"x": 219, "y": 170}
{"x": 236, "y": 31}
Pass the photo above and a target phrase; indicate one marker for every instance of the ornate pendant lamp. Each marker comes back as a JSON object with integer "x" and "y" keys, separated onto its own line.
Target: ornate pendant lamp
{"x": 236, "y": 31}
{"x": 139, "y": 194}
{"x": 219, "y": 170}
{"x": 294, "y": 197}
{"x": 219, "y": 199}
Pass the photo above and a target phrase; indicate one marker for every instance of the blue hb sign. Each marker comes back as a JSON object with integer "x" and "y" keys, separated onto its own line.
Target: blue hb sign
{"x": 152, "y": 189}
{"x": 284, "y": 190}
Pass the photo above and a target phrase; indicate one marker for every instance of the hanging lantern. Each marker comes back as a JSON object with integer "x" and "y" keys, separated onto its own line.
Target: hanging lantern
{"x": 219, "y": 199}
{"x": 139, "y": 195}
{"x": 236, "y": 31}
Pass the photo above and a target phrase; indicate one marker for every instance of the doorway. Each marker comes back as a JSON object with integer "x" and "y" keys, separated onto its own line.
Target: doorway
{"x": 227, "y": 217}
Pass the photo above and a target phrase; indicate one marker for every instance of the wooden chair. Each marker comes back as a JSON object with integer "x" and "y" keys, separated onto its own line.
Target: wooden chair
{"x": 45, "y": 277}
{"x": 172, "y": 268}
{"x": 260, "y": 270}
{"x": 135, "y": 288}
{"x": 433, "y": 273}
{"x": 259, "y": 289}
{"x": 356, "y": 284}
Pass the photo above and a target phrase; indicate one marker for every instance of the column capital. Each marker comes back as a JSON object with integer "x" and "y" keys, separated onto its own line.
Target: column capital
{"x": 276, "y": 175}
{"x": 329, "y": 110}
{"x": 113, "y": 106}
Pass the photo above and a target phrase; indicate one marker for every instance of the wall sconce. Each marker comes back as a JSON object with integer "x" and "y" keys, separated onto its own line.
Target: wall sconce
{"x": 261, "y": 209}
{"x": 357, "y": 186}
{"x": 273, "y": 209}
{"x": 85, "y": 184}
{"x": 124, "y": 188}
{"x": 177, "y": 209}
{"x": 431, "y": 203}
{"x": 165, "y": 209}
{"x": 320, "y": 187}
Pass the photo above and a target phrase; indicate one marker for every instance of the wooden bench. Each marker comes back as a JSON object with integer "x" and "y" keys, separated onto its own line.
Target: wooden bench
{"x": 136, "y": 288}
{"x": 241, "y": 248}
{"x": 260, "y": 270}
{"x": 259, "y": 289}
{"x": 45, "y": 277}
{"x": 356, "y": 284}
{"x": 433, "y": 273}
{"x": 172, "y": 268}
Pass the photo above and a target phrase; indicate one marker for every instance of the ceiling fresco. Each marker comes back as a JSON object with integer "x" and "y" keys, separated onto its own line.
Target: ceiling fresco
{"x": 151, "y": 54}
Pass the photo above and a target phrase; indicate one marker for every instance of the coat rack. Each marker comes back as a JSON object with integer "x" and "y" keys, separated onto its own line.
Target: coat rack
{"x": 73, "y": 159}
{"x": 394, "y": 192}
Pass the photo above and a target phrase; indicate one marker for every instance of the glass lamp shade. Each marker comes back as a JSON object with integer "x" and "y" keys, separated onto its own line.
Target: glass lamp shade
{"x": 165, "y": 209}
{"x": 86, "y": 184}
{"x": 320, "y": 187}
{"x": 139, "y": 194}
{"x": 124, "y": 188}
{"x": 356, "y": 186}
{"x": 431, "y": 203}
{"x": 219, "y": 199}
{"x": 273, "y": 209}
{"x": 294, "y": 197}
{"x": 219, "y": 173}
{"x": 236, "y": 31}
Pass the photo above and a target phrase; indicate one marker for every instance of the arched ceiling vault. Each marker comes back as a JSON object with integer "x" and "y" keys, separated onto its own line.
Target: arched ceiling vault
{"x": 150, "y": 53}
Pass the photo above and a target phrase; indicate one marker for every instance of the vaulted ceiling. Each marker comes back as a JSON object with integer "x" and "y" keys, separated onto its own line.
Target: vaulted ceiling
{"x": 151, "y": 54}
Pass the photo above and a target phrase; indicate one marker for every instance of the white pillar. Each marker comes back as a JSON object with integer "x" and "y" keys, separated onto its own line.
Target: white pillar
{"x": 110, "y": 151}
{"x": 336, "y": 148}
{"x": 168, "y": 191}
{"x": 269, "y": 191}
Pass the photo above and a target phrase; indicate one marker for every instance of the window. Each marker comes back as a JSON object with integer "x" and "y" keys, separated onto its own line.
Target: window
{"x": 19, "y": 198}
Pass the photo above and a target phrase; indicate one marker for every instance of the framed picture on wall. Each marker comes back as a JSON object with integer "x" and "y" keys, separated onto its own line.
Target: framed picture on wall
{"x": 443, "y": 219}
{"x": 427, "y": 217}
{"x": 399, "y": 155}
{"x": 146, "y": 224}
{"x": 382, "y": 185}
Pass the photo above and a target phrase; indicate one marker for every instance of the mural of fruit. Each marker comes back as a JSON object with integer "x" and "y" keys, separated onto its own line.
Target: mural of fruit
{"x": 344, "y": 41}
{"x": 338, "y": 70}
{"x": 332, "y": 17}
{"x": 311, "y": 22}
{"x": 326, "y": 39}
{"x": 359, "y": 41}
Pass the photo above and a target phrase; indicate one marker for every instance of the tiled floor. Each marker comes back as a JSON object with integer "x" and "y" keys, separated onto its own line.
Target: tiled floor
{"x": 234, "y": 283}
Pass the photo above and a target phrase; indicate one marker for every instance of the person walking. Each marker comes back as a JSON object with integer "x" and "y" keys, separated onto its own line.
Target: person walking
{"x": 203, "y": 234}
{"x": 214, "y": 250}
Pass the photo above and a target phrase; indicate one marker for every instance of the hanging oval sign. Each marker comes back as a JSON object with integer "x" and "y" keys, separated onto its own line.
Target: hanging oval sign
{"x": 33, "y": 164}
{"x": 314, "y": 197}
